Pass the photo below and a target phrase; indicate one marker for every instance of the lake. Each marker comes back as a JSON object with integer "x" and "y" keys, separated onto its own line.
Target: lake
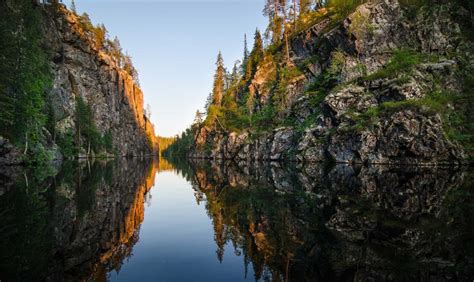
{"x": 178, "y": 220}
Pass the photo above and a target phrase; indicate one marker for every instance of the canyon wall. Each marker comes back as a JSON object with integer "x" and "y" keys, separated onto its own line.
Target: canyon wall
{"x": 83, "y": 70}
{"x": 401, "y": 84}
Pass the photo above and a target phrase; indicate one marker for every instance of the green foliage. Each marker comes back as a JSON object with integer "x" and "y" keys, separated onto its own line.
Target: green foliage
{"x": 218, "y": 89}
{"x": 402, "y": 61}
{"x": 456, "y": 124}
{"x": 263, "y": 120}
{"x": 67, "y": 146}
{"x": 285, "y": 76}
{"x": 108, "y": 141}
{"x": 338, "y": 59}
{"x": 87, "y": 130}
{"x": 344, "y": 7}
{"x": 256, "y": 56}
{"x": 165, "y": 142}
{"x": 182, "y": 144}
{"x": 25, "y": 74}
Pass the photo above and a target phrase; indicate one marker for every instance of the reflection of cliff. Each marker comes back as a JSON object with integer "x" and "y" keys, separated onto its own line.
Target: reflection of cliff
{"x": 344, "y": 223}
{"x": 90, "y": 218}
{"x": 100, "y": 240}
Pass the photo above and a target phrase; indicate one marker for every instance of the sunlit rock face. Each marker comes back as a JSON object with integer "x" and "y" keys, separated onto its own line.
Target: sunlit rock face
{"x": 82, "y": 70}
{"x": 342, "y": 222}
{"x": 77, "y": 225}
{"x": 339, "y": 126}
{"x": 98, "y": 236}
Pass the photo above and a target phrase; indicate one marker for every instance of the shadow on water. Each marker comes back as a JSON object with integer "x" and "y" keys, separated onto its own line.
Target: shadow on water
{"x": 287, "y": 223}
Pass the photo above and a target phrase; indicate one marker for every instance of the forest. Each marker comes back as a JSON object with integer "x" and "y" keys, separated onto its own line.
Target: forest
{"x": 235, "y": 105}
{"x": 28, "y": 118}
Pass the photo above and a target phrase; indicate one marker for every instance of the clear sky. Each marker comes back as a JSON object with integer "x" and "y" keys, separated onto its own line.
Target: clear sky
{"x": 174, "y": 45}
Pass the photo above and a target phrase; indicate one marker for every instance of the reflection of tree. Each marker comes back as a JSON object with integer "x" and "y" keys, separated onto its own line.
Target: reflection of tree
{"x": 79, "y": 224}
{"x": 339, "y": 224}
{"x": 25, "y": 237}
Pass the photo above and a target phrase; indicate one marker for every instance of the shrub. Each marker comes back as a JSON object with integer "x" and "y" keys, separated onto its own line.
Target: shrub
{"x": 402, "y": 61}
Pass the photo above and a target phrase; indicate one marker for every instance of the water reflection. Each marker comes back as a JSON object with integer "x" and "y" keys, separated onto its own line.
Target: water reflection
{"x": 267, "y": 222}
{"x": 76, "y": 225}
{"x": 342, "y": 223}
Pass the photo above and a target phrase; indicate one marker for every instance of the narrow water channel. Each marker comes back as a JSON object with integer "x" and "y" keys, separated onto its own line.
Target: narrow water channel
{"x": 177, "y": 239}
{"x": 144, "y": 220}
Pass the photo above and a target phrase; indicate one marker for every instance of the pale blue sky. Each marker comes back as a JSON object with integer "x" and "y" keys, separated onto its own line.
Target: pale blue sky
{"x": 174, "y": 45}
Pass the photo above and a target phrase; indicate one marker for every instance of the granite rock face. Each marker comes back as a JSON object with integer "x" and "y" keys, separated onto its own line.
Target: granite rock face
{"x": 352, "y": 123}
{"x": 82, "y": 70}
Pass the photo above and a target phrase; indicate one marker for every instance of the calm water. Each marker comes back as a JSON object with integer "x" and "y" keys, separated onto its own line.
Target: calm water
{"x": 143, "y": 220}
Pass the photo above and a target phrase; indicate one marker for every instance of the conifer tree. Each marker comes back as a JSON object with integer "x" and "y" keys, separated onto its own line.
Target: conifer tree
{"x": 255, "y": 56}
{"x": 274, "y": 10}
{"x": 235, "y": 75}
{"x": 257, "y": 51}
{"x": 24, "y": 73}
{"x": 73, "y": 6}
{"x": 219, "y": 77}
{"x": 246, "y": 50}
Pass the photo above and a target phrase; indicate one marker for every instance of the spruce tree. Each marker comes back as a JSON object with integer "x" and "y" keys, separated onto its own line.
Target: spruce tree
{"x": 246, "y": 50}
{"x": 257, "y": 51}
{"x": 219, "y": 77}
{"x": 73, "y": 6}
{"x": 255, "y": 56}
{"x": 25, "y": 73}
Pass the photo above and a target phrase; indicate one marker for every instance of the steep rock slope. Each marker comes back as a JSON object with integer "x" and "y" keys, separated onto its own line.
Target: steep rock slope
{"x": 400, "y": 79}
{"x": 83, "y": 70}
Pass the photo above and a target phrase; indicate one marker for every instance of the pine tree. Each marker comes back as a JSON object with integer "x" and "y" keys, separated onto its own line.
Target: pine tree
{"x": 274, "y": 10}
{"x": 219, "y": 77}
{"x": 235, "y": 75}
{"x": 73, "y": 6}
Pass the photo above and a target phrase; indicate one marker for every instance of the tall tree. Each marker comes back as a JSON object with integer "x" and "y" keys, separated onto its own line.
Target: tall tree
{"x": 25, "y": 74}
{"x": 235, "y": 75}
{"x": 219, "y": 81}
{"x": 255, "y": 56}
{"x": 73, "y": 6}
{"x": 274, "y": 10}
{"x": 246, "y": 50}
{"x": 295, "y": 14}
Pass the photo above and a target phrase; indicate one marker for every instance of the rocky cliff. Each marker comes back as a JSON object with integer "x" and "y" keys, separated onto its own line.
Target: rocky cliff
{"x": 397, "y": 92}
{"x": 82, "y": 69}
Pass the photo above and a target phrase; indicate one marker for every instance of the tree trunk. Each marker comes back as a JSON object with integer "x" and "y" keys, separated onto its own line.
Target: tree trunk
{"x": 294, "y": 14}
{"x": 287, "y": 47}
{"x": 26, "y": 143}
